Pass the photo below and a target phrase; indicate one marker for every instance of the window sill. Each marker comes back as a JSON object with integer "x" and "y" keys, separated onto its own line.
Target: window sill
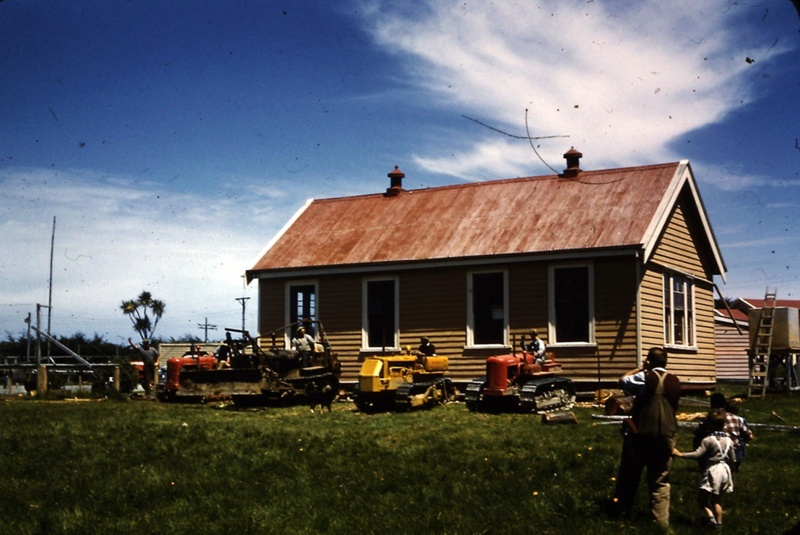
{"x": 682, "y": 349}
{"x": 489, "y": 346}
{"x": 583, "y": 345}
{"x": 379, "y": 350}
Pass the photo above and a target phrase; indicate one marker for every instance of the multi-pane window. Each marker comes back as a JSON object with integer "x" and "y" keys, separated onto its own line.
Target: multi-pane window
{"x": 488, "y": 313}
{"x": 678, "y": 310}
{"x": 571, "y": 305}
{"x": 303, "y": 305}
{"x": 380, "y": 314}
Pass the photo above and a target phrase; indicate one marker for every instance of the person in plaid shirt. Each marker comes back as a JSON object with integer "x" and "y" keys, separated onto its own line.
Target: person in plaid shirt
{"x": 737, "y": 428}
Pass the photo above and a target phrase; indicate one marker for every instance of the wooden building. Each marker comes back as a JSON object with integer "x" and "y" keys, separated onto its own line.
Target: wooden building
{"x": 603, "y": 264}
{"x": 733, "y": 344}
{"x": 733, "y": 332}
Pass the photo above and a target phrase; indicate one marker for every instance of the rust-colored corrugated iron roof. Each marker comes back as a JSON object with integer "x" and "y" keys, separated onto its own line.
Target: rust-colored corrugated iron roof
{"x": 779, "y": 303}
{"x": 733, "y": 313}
{"x": 595, "y": 209}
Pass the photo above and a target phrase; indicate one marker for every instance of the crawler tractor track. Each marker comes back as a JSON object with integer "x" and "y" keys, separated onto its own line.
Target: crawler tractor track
{"x": 422, "y": 395}
{"x": 547, "y": 395}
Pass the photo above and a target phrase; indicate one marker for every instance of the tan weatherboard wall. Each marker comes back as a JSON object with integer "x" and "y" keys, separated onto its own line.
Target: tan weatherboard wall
{"x": 270, "y": 306}
{"x": 615, "y": 288}
{"x": 433, "y": 303}
{"x": 732, "y": 346}
{"x": 678, "y": 250}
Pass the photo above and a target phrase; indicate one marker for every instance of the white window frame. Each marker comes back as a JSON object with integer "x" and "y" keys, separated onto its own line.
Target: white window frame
{"x": 471, "y": 314}
{"x": 552, "y": 330}
{"x": 287, "y": 299}
{"x": 688, "y": 325}
{"x": 395, "y": 343}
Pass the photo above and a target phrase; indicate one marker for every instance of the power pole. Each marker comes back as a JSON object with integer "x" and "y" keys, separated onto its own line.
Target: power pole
{"x": 206, "y": 327}
{"x": 243, "y": 301}
{"x": 28, "y": 348}
{"x": 50, "y": 284}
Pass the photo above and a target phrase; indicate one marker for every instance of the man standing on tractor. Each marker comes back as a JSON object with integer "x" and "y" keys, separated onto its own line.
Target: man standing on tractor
{"x": 149, "y": 361}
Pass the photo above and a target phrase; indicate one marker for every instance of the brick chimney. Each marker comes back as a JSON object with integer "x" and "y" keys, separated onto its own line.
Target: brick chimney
{"x": 573, "y": 158}
{"x": 396, "y": 183}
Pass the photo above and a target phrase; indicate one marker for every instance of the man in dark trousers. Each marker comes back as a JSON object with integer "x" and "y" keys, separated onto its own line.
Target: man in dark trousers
{"x": 649, "y": 435}
{"x": 150, "y": 363}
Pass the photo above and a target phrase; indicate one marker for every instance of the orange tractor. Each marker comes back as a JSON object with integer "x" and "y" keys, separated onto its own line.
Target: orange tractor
{"x": 248, "y": 375}
{"x": 516, "y": 382}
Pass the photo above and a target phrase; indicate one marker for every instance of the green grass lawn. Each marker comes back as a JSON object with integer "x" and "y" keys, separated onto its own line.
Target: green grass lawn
{"x": 145, "y": 467}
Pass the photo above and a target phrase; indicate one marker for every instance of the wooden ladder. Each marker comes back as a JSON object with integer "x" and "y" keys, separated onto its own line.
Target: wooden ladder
{"x": 762, "y": 348}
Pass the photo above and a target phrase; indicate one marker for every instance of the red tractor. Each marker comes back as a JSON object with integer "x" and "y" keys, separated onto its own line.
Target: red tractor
{"x": 517, "y": 383}
{"x": 188, "y": 362}
{"x": 248, "y": 375}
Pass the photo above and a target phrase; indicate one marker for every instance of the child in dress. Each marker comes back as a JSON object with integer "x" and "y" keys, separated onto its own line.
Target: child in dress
{"x": 718, "y": 453}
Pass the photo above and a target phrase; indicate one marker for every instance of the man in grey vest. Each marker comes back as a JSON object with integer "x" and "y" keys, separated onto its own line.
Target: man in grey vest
{"x": 649, "y": 435}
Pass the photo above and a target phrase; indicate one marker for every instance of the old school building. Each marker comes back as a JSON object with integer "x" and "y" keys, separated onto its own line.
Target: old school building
{"x": 602, "y": 263}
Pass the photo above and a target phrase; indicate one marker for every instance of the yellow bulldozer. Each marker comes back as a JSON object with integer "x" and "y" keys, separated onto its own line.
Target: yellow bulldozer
{"x": 402, "y": 382}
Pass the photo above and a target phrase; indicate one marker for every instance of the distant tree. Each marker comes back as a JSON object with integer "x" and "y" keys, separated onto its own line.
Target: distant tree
{"x": 11, "y": 347}
{"x": 140, "y": 310}
{"x": 187, "y": 338}
{"x": 93, "y": 347}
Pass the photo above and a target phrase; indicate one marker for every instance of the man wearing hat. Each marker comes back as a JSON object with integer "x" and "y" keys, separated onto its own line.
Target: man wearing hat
{"x": 303, "y": 343}
{"x": 149, "y": 360}
{"x": 426, "y": 348}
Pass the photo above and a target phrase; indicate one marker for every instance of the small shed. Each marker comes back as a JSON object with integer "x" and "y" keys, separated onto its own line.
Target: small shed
{"x": 732, "y": 344}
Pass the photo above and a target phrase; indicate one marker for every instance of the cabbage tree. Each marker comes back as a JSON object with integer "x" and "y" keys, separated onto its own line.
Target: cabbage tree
{"x": 144, "y": 312}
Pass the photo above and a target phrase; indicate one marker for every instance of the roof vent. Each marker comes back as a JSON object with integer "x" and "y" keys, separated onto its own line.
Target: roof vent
{"x": 573, "y": 158}
{"x": 396, "y": 182}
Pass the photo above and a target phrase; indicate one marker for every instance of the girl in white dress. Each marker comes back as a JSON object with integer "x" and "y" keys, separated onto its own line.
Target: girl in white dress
{"x": 717, "y": 452}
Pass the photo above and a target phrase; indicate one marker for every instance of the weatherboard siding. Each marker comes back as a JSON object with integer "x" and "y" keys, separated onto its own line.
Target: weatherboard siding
{"x": 678, "y": 250}
{"x": 732, "y": 349}
{"x": 615, "y": 322}
{"x": 270, "y": 307}
{"x": 339, "y": 311}
{"x": 433, "y": 303}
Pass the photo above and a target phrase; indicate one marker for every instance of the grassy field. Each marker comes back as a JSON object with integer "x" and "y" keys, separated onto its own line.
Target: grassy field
{"x": 124, "y": 466}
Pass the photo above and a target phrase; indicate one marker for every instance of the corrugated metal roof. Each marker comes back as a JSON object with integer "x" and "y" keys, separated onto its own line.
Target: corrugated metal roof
{"x": 596, "y": 209}
{"x": 779, "y": 303}
{"x": 735, "y": 314}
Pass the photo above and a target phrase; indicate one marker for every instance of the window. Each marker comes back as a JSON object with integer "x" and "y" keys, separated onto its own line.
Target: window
{"x": 678, "y": 310}
{"x": 380, "y": 313}
{"x": 488, "y": 311}
{"x": 571, "y": 305}
{"x": 302, "y": 303}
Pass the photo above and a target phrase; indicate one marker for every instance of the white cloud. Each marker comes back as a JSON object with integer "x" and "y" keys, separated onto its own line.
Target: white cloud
{"x": 622, "y": 82}
{"x": 730, "y": 179}
{"x": 115, "y": 237}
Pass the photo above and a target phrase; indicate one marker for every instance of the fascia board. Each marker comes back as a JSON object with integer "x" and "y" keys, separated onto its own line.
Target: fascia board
{"x": 683, "y": 177}
{"x": 277, "y": 237}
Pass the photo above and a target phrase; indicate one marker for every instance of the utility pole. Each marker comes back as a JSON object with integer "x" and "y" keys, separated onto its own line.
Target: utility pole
{"x": 39, "y": 337}
{"x": 50, "y": 284}
{"x": 28, "y": 348}
{"x": 206, "y": 327}
{"x": 243, "y": 301}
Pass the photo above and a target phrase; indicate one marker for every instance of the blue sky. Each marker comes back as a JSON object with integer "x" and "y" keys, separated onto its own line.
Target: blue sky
{"x": 172, "y": 140}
